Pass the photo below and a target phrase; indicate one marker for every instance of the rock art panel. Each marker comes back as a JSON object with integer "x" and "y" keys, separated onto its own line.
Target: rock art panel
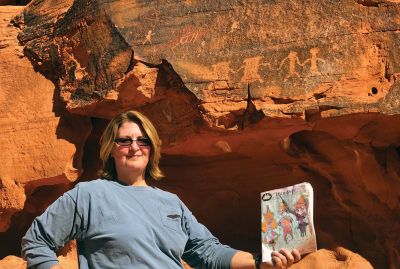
{"x": 347, "y": 67}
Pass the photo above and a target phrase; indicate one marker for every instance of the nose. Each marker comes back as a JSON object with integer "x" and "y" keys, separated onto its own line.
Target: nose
{"x": 134, "y": 146}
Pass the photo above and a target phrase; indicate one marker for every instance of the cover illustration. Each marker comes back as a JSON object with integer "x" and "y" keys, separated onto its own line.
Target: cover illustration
{"x": 287, "y": 220}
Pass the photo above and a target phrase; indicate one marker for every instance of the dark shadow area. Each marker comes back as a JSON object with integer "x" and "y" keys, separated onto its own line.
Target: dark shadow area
{"x": 14, "y": 2}
{"x": 35, "y": 205}
{"x": 91, "y": 161}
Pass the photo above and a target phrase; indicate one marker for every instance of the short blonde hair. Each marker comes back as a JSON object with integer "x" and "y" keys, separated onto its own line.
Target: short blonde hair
{"x": 107, "y": 143}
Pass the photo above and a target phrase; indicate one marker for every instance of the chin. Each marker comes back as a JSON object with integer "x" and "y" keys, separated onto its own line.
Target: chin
{"x": 136, "y": 163}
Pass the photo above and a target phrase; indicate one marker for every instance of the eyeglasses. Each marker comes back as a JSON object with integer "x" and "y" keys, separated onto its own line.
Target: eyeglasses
{"x": 127, "y": 141}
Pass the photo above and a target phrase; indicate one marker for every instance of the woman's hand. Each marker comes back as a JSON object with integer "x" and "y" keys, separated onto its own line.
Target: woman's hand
{"x": 282, "y": 259}
{"x": 58, "y": 266}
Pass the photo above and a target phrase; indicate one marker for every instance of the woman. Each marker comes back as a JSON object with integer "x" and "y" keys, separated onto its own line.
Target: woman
{"x": 121, "y": 222}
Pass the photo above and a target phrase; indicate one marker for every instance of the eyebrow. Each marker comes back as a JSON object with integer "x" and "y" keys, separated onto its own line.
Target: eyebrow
{"x": 127, "y": 136}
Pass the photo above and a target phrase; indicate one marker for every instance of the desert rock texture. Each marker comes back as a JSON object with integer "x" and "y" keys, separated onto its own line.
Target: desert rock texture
{"x": 246, "y": 95}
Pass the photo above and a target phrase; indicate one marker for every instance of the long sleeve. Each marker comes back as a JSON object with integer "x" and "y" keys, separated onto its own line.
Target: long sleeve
{"x": 202, "y": 249}
{"x": 60, "y": 223}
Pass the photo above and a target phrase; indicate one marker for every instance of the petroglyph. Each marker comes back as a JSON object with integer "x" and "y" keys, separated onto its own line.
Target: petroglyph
{"x": 189, "y": 35}
{"x": 313, "y": 62}
{"x": 254, "y": 69}
{"x": 148, "y": 37}
{"x": 251, "y": 69}
{"x": 234, "y": 26}
{"x": 293, "y": 60}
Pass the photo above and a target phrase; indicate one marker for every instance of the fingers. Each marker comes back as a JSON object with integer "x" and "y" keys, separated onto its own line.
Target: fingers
{"x": 285, "y": 258}
{"x": 296, "y": 255}
{"x": 289, "y": 257}
{"x": 279, "y": 260}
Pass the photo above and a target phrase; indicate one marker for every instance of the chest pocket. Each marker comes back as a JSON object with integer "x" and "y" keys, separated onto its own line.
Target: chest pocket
{"x": 105, "y": 215}
{"x": 171, "y": 218}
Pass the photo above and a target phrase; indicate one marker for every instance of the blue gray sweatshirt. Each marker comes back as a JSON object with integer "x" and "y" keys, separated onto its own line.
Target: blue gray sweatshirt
{"x": 118, "y": 226}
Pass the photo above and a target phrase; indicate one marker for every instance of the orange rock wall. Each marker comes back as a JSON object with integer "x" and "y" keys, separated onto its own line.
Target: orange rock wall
{"x": 236, "y": 114}
{"x": 42, "y": 144}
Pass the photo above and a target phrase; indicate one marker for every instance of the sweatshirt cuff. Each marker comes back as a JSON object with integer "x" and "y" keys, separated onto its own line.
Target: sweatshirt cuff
{"x": 46, "y": 265}
{"x": 227, "y": 257}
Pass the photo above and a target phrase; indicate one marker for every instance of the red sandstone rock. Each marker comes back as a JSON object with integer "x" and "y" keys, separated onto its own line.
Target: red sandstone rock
{"x": 12, "y": 199}
{"x": 343, "y": 63}
{"x": 355, "y": 172}
{"x": 339, "y": 258}
{"x": 12, "y": 262}
{"x": 68, "y": 259}
{"x": 352, "y": 162}
{"x": 41, "y": 142}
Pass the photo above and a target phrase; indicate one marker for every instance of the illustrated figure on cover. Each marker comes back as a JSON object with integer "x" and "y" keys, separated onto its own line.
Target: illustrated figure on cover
{"x": 300, "y": 209}
{"x": 286, "y": 214}
{"x": 269, "y": 226}
{"x": 285, "y": 221}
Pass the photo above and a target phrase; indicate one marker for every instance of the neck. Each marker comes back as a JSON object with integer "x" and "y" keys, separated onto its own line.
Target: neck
{"x": 131, "y": 180}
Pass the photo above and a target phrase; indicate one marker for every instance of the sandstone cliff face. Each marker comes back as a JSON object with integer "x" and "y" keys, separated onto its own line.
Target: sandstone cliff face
{"x": 246, "y": 96}
{"x": 42, "y": 144}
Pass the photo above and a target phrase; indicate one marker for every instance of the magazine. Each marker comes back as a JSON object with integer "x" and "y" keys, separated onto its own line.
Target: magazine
{"x": 287, "y": 220}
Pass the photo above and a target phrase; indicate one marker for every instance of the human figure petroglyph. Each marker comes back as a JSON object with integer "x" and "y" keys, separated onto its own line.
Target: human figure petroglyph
{"x": 148, "y": 37}
{"x": 254, "y": 69}
{"x": 293, "y": 60}
{"x": 313, "y": 60}
{"x": 251, "y": 69}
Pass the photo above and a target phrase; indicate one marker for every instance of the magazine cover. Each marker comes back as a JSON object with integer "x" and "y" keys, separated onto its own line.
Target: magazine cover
{"x": 287, "y": 220}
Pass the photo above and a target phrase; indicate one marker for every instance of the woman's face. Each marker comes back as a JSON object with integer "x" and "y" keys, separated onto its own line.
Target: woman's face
{"x": 131, "y": 159}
